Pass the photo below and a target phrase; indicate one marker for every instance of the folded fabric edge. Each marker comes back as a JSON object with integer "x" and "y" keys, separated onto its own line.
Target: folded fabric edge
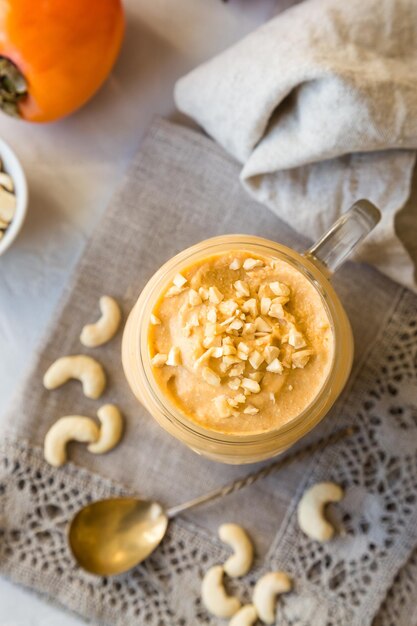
{"x": 260, "y": 188}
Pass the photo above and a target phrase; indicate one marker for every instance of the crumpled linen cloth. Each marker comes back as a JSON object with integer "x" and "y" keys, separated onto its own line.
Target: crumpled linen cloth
{"x": 180, "y": 189}
{"x": 320, "y": 107}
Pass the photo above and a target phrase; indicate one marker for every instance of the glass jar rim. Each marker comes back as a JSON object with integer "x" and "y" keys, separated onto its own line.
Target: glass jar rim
{"x": 216, "y": 245}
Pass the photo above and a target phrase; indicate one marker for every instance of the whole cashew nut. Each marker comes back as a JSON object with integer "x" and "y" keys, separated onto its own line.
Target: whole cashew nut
{"x": 246, "y": 616}
{"x": 310, "y": 510}
{"x": 214, "y": 595}
{"x": 93, "y": 335}
{"x": 110, "y": 430}
{"x": 240, "y": 562}
{"x": 69, "y": 428}
{"x": 82, "y": 367}
{"x": 265, "y": 594}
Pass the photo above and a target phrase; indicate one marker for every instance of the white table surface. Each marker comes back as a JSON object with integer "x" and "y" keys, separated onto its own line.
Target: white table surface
{"x": 73, "y": 167}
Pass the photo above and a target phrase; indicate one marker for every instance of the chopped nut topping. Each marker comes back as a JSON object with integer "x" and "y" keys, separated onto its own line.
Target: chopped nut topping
{"x": 250, "y": 306}
{"x": 263, "y": 339}
{"x": 194, "y": 298}
{"x": 174, "y": 291}
{"x": 242, "y": 288}
{"x": 159, "y": 360}
{"x": 275, "y": 367}
{"x": 236, "y": 325}
{"x": 222, "y": 406}
{"x": 251, "y": 385}
{"x": 262, "y": 326}
{"x": 271, "y": 353}
{"x": 203, "y": 293}
{"x": 282, "y": 299}
{"x": 212, "y": 315}
{"x": 249, "y": 329}
{"x": 256, "y": 359}
{"x": 249, "y": 264}
{"x": 265, "y": 305}
{"x": 249, "y": 334}
{"x": 251, "y": 410}
{"x": 215, "y": 295}
{"x": 227, "y": 321}
{"x": 276, "y": 310}
{"x": 290, "y": 387}
{"x": 179, "y": 280}
{"x": 194, "y": 320}
{"x": 237, "y": 370}
{"x": 210, "y": 377}
{"x": 231, "y": 360}
{"x": 296, "y": 339}
{"x": 243, "y": 347}
{"x": 264, "y": 291}
{"x": 301, "y": 358}
{"x": 235, "y": 265}
{"x": 279, "y": 289}
{"x": 228, "y": 307}
{"x": 174, "y": 356}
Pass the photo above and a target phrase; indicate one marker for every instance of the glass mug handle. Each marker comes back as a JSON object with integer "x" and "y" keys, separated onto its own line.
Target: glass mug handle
{"x": 332, "y": 249}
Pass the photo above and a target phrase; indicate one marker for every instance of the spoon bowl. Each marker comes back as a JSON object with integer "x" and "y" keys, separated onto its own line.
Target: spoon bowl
{"x": 111, "y": 536}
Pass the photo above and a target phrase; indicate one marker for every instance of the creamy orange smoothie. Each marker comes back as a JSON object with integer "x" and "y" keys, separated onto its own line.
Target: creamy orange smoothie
{"x": 240, "y": 343}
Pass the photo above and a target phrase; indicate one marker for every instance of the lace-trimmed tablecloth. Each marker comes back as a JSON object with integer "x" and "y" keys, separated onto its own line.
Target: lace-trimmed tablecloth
{"x": 182, "y": 188}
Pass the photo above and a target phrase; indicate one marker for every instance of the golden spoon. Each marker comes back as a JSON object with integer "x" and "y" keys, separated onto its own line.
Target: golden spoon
{"x": 111, "y": 536}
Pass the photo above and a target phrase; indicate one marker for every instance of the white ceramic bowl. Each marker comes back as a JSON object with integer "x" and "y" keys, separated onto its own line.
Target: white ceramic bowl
{"x": 12, "y": 166}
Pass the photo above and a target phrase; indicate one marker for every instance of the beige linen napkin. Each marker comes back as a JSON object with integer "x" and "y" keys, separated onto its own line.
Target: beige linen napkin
{"x": 320, "y": 107}
{"x": 181, "y": 188}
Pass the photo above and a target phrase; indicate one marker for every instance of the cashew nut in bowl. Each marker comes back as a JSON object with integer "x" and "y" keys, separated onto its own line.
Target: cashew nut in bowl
{"x": 214, "y": 595}
{"x": 84, "y": 368}
{"x": 240, "y": 562}
{"x": 69, "y": 428}
{"x": 110, "y": 429}
{"x": 265, "y": 594}
{"x": 93, "y": 335}
{"x": 310, "y": 510}
{"x": 246, "y": 616}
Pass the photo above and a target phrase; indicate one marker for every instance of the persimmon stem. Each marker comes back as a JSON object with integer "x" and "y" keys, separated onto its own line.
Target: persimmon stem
{"x": 13, "y": 87}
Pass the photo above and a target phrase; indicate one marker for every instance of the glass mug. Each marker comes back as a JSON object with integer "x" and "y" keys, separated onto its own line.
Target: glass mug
{"x": 317, "y": 265}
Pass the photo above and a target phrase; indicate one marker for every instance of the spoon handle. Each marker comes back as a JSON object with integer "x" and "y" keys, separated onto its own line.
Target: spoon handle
{"x": 245, "y": 481}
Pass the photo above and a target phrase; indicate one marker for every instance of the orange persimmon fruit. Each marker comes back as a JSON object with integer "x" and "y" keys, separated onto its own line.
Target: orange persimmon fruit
{"x": 55, "y": 54}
